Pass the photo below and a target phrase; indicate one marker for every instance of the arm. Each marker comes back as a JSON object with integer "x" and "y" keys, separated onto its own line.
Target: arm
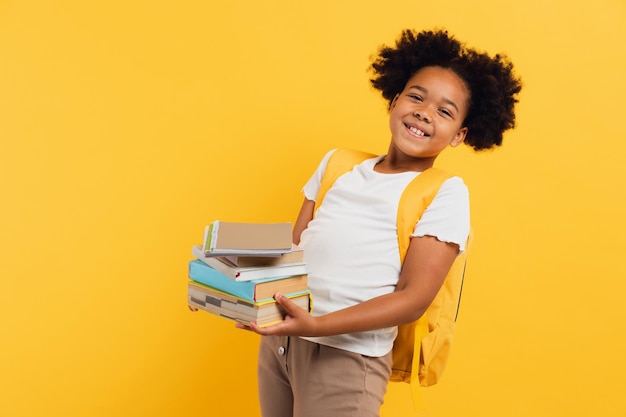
{"x": 426, "y": 265}
{"x": 304, "y": 217}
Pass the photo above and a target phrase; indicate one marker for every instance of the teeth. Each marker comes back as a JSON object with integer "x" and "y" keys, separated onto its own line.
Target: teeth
{"x": 417, "y": 131}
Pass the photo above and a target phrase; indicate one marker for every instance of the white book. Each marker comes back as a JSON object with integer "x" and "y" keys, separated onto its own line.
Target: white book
{"x": 248, "y": 273}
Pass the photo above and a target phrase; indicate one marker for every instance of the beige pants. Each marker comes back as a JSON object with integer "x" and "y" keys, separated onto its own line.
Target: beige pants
{"x": 298, "y": 378}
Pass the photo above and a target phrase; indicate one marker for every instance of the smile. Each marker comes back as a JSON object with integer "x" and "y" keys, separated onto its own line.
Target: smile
{"x": 417, "y": 131}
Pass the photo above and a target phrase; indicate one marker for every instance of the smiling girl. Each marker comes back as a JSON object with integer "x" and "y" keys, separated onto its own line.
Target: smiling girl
{"x": 336, "y": 361}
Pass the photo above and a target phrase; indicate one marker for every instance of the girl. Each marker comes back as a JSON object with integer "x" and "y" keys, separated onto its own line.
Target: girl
{"x": 336, "y": 362}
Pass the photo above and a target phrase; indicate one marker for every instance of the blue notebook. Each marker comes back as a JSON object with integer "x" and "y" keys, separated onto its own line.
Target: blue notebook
{"x": 255, "y": 290}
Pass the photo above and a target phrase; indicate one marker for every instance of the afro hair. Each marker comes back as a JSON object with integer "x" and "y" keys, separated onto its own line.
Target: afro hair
{"x": 491, "y": 81}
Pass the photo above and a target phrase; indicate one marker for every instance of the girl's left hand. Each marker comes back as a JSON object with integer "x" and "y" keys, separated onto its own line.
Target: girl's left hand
{"x": 297, "y": 322}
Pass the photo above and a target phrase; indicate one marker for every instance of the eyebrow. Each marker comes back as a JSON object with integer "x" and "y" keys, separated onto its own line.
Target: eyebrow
{"x": 447, "y": 100}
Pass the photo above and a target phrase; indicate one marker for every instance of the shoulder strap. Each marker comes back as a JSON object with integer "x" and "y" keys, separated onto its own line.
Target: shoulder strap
{"x": 340, "y": 162}
{"x": 415, "y": 198}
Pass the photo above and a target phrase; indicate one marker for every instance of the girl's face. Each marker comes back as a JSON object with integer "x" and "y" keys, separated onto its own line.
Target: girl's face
{"x": 427, "y": 115}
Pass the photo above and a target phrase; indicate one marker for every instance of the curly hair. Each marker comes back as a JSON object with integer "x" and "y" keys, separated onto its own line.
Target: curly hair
{"x": 492, "y": 84}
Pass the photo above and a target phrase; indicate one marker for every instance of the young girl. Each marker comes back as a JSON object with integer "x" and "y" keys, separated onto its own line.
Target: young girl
{"x": 336, "y": 362}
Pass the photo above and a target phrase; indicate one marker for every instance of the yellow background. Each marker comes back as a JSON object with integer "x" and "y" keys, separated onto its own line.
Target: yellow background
{"x": 126, "y": 126}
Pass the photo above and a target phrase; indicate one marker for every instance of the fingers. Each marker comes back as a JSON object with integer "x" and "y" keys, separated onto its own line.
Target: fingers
{"x": 297, "y": 321}
{"x": 253, "y": 327}
{"x": 264, "y": 331}
{"x": 243, "y": 327}
{"x": 289, "y": 306}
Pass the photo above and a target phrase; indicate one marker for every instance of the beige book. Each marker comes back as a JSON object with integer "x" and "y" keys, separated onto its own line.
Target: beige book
{"x": 237, "y": 238}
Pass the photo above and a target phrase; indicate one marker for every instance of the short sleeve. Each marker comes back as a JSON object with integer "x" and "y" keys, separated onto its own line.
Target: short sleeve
{"x": 312, "y": 186}
{"x": 448, "y": 216}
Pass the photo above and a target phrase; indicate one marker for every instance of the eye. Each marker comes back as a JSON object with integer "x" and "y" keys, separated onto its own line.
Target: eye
{"x": 446, "y": 112}
{"x": 416, "y": 97}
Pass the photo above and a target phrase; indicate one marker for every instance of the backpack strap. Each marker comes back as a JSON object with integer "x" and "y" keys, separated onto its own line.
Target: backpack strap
{"x": 417, "y": 195}
{"x": 414, "y": 200}
{"x": 340, "y": 162}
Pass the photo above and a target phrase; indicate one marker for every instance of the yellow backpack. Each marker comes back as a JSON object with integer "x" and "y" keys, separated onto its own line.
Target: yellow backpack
{"x": 429, "y": 337}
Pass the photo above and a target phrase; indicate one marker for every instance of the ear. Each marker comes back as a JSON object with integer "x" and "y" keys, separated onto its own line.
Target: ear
{"x": 393, "y": 102}
{"x": 459, "y": 137}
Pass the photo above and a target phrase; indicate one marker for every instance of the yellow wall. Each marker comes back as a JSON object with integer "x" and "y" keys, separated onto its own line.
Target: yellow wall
{"x": 126, "y": 126}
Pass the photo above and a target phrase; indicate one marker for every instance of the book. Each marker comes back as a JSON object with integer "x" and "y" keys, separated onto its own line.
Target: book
{"x": 263, "y": 313}
{"x": 236, "y": 238}
{"x": 255, "y": 290}
{"x": 294, "y": 257}
{"x": 241, "y": 273}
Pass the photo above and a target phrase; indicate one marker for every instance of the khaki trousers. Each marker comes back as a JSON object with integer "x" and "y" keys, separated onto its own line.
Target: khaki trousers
{"x": 298, "y": 378}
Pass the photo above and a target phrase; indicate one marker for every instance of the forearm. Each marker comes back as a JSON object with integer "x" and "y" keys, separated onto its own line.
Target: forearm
{"x": 304, "y": 217}
{"x": 425, "y": 268}
{"x": 423, "y": 272}
{"x": 380, "y": 312}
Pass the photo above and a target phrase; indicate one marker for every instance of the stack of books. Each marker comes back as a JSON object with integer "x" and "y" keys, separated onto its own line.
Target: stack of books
{"x": 239, "y": 267}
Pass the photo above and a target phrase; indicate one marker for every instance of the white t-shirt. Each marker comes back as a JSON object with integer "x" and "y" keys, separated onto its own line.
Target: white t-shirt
{"x": 351, "y": 246}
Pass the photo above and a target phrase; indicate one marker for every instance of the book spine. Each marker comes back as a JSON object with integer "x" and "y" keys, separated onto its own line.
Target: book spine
{"x": 213, "y": 234}
{"x": 206, "y": 238}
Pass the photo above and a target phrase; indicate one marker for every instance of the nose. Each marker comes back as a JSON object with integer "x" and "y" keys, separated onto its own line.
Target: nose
{"x": 422, "y": 114}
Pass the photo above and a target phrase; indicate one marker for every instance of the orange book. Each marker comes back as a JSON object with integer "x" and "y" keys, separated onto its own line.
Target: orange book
{"x": 263, "y": 313}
